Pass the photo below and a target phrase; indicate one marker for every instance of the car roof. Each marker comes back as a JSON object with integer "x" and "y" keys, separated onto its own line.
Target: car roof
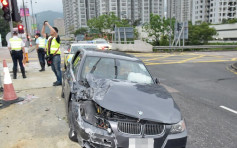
{"x": 110, "y": 54}
{"x": 81, "y": 44}
{"x": 99, "y": 39}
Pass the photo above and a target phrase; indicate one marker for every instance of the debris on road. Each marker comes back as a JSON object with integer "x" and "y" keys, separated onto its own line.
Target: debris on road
{"x": 28, "y": 98}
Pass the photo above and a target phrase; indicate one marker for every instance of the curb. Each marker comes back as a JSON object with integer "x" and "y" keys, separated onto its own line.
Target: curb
{"x": 234, "y": 66}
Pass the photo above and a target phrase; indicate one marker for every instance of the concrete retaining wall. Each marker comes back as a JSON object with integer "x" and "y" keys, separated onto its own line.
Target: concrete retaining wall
{"x": 138, "y": 46}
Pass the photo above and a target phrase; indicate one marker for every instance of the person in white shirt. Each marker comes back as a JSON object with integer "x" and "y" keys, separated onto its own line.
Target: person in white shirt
{"x": 40, "y": 47}
{"x": 17, "y": 50}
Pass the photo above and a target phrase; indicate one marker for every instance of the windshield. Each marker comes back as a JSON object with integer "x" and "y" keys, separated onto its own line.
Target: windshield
{"x": 101, "y": 42}
{"x": 105, "y": 68}
{"x": 74, "y": 49}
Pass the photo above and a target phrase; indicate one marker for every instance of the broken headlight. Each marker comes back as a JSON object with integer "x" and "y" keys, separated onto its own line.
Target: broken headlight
{"x": 101, "y": 118}
{"x": 178, "y": 128}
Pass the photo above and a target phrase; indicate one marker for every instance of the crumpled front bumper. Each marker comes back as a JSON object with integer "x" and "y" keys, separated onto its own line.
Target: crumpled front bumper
{"x": 100, "y": 138}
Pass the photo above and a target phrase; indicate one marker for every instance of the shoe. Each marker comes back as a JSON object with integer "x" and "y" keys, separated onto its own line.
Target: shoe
{"x": 23, "y": 73}
{"x": 42, "y": 67}
{"x": 57, "y": 84}
{"x": 42, "y": 70}
{"x": 14, "y": 74}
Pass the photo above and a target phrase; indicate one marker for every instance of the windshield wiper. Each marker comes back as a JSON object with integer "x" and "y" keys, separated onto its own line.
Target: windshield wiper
{"x": 94, "y": 67}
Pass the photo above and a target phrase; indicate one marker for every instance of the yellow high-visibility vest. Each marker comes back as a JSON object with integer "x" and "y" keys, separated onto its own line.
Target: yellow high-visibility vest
{"x": 41, "y": 42}
{"x": 54, "y": 46}
{"x": 15, "y": 44}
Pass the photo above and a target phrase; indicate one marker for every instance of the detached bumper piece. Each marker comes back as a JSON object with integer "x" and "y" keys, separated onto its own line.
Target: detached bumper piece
{"x": 176, "y": 143}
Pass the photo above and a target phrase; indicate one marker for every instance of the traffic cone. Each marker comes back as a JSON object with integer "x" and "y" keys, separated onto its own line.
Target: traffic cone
{"x": 9, "y": 94}
{"x": 27, "y": 58}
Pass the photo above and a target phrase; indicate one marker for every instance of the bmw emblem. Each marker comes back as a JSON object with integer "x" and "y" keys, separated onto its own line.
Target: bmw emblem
{"x": 140, "y": 113}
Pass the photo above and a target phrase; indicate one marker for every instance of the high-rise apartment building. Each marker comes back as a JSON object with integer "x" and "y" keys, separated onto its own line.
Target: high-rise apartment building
{"x": 181, "y": 10}
{"x": 78, "y": 12}
{"x": 59, "y": 23}
{"x": 197, "y": 11}
{"x": 200, "y": 11}
{"x": 213, "y": 11}
{"x": 147, "y": 7}
{"x": 222, "y": 9}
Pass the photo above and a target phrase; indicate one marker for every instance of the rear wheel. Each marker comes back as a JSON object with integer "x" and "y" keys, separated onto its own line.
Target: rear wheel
{"x": 72, "y": 134}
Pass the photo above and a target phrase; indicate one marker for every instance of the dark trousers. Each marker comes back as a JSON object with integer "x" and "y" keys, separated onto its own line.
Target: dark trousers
{"x": 56, "y": 67}
{"x": 41, "y": 55}
{"x": 17, "y": 56}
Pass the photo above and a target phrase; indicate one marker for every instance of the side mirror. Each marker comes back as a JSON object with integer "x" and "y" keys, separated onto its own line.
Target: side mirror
{"x": 66, "y": 52}
{"x": 157, "y": 81}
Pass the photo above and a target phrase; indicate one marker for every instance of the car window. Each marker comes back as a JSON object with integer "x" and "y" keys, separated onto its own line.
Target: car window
{"x": 89, "y": 46}
{"x": 69, "y": 48}
{"x": 74, "y": 49}
{"x": 133, "y": 72}
{"x": 100, "y": 67}
{"x": 126, "y": 70}
{"x": 101, "y": 42}
{"x": 76, "y": 63}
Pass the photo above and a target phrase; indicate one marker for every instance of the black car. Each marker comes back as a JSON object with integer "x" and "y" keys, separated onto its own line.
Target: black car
{"x": 112, "y": 101}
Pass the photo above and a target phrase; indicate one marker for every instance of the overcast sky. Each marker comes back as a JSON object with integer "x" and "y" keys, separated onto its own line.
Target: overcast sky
{"x": 43, "y": 5}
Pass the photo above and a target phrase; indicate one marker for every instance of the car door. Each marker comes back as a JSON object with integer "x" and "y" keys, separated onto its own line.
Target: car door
{"x": 70, "y": 76}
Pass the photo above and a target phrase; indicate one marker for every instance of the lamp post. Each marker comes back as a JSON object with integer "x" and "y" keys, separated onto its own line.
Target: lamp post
{"x": 170, "y": 22}
{"x": 27, "y": 44}
{"x": 32, "y": 15}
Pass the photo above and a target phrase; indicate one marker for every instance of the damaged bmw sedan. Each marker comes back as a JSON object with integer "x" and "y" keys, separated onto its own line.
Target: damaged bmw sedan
{"x": 112, "y": 101}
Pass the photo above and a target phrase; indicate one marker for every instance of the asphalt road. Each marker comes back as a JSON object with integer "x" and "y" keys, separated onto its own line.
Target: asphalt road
{"x": 200, "y": 89}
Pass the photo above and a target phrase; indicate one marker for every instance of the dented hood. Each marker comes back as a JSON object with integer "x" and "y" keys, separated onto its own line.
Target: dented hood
{"x": 147, "y": 102}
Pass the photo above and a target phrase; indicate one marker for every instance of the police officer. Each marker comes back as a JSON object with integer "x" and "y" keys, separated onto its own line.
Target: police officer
{"x": 52, "y": 50}
{"x": 16, "y": 48}
{"x": 40, "y": 47}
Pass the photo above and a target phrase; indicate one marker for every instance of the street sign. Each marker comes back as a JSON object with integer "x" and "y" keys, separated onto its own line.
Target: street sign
{"x": 178, "y": 29}
{"x": 22, "y": 13}
{"x": 185, "y": 35}
{"x": 124, "y": 32}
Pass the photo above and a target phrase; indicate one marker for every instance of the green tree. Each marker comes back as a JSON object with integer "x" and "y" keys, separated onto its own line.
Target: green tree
{"x": 229, "y": 21}
{"x": 4, "y": 28}
{"x": 200, "y": 34}
{"x": 158, "y": 29}
{"x": 81, "y": 30}
{"x": 106, "y": 21}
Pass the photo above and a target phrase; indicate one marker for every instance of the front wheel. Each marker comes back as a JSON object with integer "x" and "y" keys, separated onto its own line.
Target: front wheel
{"x": 62, "y": 93}
{"x": 72, "y": 134}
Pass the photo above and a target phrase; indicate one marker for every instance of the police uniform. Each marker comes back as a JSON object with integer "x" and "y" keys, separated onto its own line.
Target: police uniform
{"x": 16, "y": 44}
{"x": 41, "y": 53}
{"x": 53, "y": 50}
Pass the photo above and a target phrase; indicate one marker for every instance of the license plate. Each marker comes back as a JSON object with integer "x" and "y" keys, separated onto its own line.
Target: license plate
{"x": 141, "y": 143}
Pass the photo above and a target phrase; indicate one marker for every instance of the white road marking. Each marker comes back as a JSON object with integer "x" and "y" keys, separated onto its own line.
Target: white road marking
{"x": 231, "y": 110}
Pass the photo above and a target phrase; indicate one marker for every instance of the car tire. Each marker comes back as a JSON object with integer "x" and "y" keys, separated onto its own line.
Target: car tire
{"x": 62, "y": 93}
{"x": 72, "y": 134}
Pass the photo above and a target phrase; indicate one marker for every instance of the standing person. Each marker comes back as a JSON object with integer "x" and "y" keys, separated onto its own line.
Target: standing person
{"x": 40, "y": 48}
{"x": 17, "y": 50}
{"x": 52, "y": 50}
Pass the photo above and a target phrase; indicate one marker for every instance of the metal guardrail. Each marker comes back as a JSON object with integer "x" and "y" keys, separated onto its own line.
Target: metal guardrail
{"x": 194, "y": 47}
